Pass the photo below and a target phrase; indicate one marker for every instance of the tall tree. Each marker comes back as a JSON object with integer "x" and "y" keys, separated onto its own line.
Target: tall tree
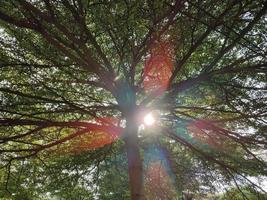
{"x": 79, "y": 77}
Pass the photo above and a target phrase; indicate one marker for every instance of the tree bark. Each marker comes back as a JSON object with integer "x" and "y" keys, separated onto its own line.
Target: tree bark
{"x": 135, "y": 169}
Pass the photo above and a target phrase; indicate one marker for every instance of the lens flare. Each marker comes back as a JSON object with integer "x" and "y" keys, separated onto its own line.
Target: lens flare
{"x": 93, "y": 136}
{"x": 158, "y": 68}
{"x": 158, "y": 180}
{"x": 149, "y": 119}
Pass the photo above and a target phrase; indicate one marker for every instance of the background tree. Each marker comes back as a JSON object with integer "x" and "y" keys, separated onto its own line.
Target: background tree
{"x": 77, "y": 78}
{"x": 235, "y": 194}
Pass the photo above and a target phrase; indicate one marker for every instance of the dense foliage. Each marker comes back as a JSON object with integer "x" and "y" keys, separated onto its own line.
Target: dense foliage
{"x": 237, "y": 194}
{"x": 77, "y": 78}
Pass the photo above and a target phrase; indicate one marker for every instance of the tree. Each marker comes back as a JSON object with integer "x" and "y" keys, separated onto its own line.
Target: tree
{"x": 236, "y": 194}
{"x": 77, "y": 77}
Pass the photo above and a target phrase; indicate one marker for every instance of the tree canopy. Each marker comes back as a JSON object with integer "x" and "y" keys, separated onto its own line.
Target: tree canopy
{"x": 236, "y": 195}
{"x": 77, "y": 78}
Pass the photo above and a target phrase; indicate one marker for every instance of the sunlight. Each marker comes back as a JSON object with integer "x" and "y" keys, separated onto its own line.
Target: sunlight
{"x": 149, "y": 119}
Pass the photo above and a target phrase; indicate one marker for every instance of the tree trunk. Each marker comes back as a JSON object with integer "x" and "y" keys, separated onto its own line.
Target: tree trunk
{"x": 135, "y": 169}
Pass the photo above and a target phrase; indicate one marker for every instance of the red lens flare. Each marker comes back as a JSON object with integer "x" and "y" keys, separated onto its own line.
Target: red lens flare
{"x": 97, "y": 135}
{"x": 158, "y": 68}
{"x": 206, "y": 132}
{"x": 158, "y": 184}
{"x": 93, "y": 140}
